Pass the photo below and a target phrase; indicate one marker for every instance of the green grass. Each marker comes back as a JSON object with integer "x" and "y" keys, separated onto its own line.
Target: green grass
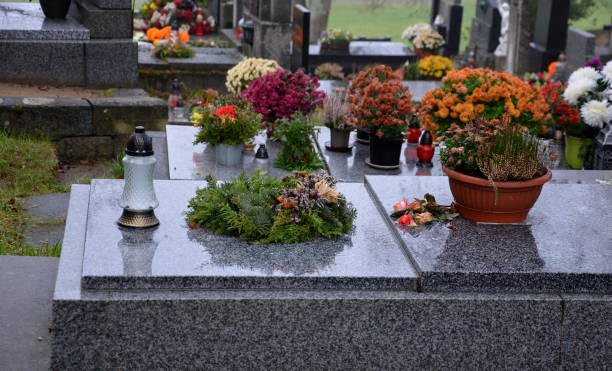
{"x": 392, "y": 18}
{"x": 27, "y": 167}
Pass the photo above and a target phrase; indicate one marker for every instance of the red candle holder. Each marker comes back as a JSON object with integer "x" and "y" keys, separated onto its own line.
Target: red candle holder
{"x": 425, "y": 150}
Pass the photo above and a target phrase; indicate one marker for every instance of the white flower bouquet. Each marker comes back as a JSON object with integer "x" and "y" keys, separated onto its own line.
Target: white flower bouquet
{"x": 428, "y": 40}
{"x": 250, "y": 69}
{"x": 412, "y": 31}
{"x": 591, "y": 91}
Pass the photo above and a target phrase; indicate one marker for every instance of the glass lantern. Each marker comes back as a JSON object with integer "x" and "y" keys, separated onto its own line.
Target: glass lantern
{"x": 138, "y": 199}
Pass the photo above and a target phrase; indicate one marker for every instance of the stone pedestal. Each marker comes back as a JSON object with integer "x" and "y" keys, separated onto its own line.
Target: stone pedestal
{"x": 478, "y": 296}
{"x": 92, "y": 47}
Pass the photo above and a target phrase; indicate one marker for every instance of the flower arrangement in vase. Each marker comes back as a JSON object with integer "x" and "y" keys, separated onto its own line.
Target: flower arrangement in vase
{"x": 335, "y": 40}
{"x": 590, "y": 91}
{"x": 412, "y": 31}
{"x": 494, "y": 169}
{"x": 468, "y": 93}
{"x": 434, "y": 67}
{"x": 248, "y": 70}
{"x": 427, "y": 42}
{"x": 264, "y": 209}
{"x": 226, "y": 124}
{"x": 335, "y": 116}
{"x": 380, "y": 102}
{"x": 280, "y": 94}
{"x": 189, "y": 14}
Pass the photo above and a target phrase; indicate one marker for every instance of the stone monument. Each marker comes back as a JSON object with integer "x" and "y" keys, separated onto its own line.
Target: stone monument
{"x": 550, "y": 34}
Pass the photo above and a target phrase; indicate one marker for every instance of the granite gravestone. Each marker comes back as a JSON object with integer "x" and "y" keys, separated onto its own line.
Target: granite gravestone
{"x": 435, "y": 9}
{"x": 580, "y": 46}
{"x": 550, "y": 34}
{"x": 451, "y": 12}
{"x": 300, "y": 38}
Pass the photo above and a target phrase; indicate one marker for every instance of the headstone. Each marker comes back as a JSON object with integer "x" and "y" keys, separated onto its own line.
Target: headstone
{"x": 580, "y": 46}
{"x": 452, "y": 12}
{"x": 238, "y": 8}
{"x": 300, "y": 36}
{"x": 435, "y": 9}
{"x": 550, "y": 34}
{"x": 519, "y": 35}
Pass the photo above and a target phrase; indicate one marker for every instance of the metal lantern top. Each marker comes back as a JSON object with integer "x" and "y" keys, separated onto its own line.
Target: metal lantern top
{"x": 139, "y": 143}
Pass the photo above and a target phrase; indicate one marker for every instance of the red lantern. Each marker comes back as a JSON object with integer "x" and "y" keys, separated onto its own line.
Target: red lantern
{"x": 413, "y": 135}
{"x": 425, "y": 149}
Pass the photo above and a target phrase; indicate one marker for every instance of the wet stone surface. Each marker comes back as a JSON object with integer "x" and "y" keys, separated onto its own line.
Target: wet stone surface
{"x": 174, "y": 256}
{"x": 26, "y": 21}
{"x": 561, "y": 247}
{"x": 189, "y": 161}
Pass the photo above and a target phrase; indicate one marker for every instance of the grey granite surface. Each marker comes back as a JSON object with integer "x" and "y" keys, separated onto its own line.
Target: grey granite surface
{"x": 587, "y": 332}
{"x": 299, "y": 329}
{"x": 189, "y": 161}
{"x": 351, "y": 166}
{"x": 417, "y": 88}
{"x": 111, "y": 63}
{"x": 205, "y": 59}
{"x": 173, "y": 256}
{"x": 26, "y": 21}
{"x": 112, "y": 4}
{"x": 102, "y": 23}
{"x": 563, "y": 245}
{"x": 43, "y": 62}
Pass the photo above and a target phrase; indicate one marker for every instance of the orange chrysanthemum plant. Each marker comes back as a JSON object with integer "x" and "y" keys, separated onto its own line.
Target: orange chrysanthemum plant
{"x": 468, "y": 93}
{"x": 379, "y": 101}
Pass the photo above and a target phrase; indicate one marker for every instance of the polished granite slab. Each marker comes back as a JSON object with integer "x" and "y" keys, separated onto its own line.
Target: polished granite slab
{"x": 418, "y": 88}
{"x": 189, "y": 161}
{"x": 174, "y": 256}
{"x": 351, "y": 166}
{"x": 26, "y": 21}
{"x": 564, "y": 245}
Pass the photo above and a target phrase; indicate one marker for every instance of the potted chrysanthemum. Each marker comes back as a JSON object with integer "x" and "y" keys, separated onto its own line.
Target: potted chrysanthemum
{"x": 380, "y": 102}
{"x": 250, "y": 69}
{"x": 427, "y": 43}
{"x": 590, "y": 91}
{"x": 227, "y": 124}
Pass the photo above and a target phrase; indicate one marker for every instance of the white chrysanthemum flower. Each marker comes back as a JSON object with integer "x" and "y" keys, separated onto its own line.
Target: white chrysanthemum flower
{"x": 596, "y": 113}
{"x": 577, "y": 89}
{"x": 606, "y": 71}
{"x": 584, "y": 73}
{"x": 411, "y": 32}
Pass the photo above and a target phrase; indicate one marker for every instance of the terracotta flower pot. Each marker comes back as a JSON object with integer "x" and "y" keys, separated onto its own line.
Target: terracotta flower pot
{"x": 420, "y": 53}
{"x": 475, "y": 197}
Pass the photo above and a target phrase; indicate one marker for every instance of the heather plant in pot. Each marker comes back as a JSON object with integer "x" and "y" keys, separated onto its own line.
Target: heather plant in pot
{"x": 494, "y": 170}
{"x": 280, "y": 94}
{"x": 335, "y": 117}
{"x": 379, "y": 102}
{"x": 228, "y": 125}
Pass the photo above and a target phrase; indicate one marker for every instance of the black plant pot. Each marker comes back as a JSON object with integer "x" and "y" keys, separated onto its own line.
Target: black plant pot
{"x": 385, "y": 152}
{"x": 363, "y": 136}
{"x": 55, "y": 8}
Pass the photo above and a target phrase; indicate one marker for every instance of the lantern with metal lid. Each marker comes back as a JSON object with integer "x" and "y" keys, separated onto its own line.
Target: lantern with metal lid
{"x": 138, "y": 200}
